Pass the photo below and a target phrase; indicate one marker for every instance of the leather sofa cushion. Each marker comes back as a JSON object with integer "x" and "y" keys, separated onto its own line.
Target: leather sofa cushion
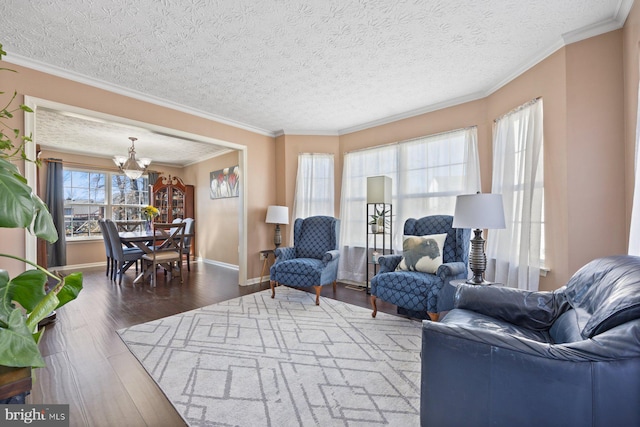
{"x": 609, "y": 289}
{"x": 569, "y": 326}
{"x": 471, "y": 319}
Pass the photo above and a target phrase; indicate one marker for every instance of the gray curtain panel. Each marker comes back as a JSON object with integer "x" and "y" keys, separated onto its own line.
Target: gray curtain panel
{"x": 54, "y": 198}
{"x": 153, "y": 177}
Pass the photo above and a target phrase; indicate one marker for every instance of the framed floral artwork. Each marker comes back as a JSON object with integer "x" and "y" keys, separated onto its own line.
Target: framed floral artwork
{"x": 225, "y": 183}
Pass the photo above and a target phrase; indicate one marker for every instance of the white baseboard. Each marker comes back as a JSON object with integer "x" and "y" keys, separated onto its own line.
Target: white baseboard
{"x": 78, "y": 266}
{"x": 216, "y": 263}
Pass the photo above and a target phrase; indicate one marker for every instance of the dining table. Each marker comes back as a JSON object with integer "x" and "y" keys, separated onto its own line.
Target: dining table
{"x": 142, "y": 240}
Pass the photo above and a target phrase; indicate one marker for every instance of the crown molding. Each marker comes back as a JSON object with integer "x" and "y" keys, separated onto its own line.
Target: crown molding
{"x": 120, "y": 90}
{"x": 413, "y": 113}
{"x": 307, "y": 132}
{"x": 614, "y": 23}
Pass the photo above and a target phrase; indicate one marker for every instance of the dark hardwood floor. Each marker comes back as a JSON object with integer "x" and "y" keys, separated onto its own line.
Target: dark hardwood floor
{"x": 90, "y": 368}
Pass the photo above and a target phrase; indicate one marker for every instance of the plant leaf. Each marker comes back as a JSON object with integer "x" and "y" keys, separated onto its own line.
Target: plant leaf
{"x": 27, "y": 289}
{"x": 19, "y": 347}
{"x": 16, "y": 205}
{"x": 43, "y": 225}
{"x": 42, "y": 310}
{"x": 6, "y": 300}
{"x": 71, "y": 289}
{"x": 20, "y": 207}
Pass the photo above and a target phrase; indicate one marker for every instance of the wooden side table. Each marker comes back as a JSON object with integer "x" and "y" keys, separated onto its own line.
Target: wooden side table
{"x": 264, "y": 255}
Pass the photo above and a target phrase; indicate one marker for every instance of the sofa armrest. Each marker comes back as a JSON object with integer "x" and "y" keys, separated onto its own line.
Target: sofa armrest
{"x": 605, "y": 347}
{"x": 283, "y": 254}
{"x": 533, "y": 310}
{"x": 389, "y": 263}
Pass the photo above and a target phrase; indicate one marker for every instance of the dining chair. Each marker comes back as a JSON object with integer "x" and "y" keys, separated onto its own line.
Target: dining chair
{"x": 168, "y": 243}
{"x": 188, "y": 231}
{"x": 107, "y": 247}
{"x": 123, "y": 258}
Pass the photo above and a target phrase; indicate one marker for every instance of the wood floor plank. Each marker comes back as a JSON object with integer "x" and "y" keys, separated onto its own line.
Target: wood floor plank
{"x": 57, "y": 384}
{"x": 155, "y": 409}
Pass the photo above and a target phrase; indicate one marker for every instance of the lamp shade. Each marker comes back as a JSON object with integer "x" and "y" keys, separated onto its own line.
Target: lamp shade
{"x": 379, "y": 189}
{"x": 479, "y": 211}
{"x": 277, "y": 215}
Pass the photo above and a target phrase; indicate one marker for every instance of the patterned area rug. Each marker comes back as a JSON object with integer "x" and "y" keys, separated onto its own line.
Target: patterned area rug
{"x": 257, "y": 361}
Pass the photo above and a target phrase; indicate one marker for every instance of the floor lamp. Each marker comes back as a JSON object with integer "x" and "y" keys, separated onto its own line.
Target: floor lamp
{"x": 478, "y": 212}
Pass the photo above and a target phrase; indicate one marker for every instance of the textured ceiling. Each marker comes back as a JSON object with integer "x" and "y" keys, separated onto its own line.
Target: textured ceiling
{"x": 75, "y": 133}
{"x": 308, "y": 66}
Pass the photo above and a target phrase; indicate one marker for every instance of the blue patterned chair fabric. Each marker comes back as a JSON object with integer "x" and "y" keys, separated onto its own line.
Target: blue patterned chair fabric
{"x": 415, "y": 293}
{"x": 313, "y": 258}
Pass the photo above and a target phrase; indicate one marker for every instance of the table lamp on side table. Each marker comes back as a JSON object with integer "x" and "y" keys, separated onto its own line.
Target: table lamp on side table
{"x": 277, "y": 215}
{"x": 478, "y": 212}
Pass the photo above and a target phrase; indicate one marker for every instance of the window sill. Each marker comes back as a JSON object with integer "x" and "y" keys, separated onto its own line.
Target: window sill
{"x": 84, "y": 239}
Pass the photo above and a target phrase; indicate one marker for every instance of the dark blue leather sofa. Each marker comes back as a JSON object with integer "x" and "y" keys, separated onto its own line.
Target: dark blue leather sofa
{"x": 571, "y": 357}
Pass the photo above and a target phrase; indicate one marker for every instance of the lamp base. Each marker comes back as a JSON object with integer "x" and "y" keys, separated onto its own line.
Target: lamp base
{"x": 477, "y": 259}
{"x": 277, "y": 238}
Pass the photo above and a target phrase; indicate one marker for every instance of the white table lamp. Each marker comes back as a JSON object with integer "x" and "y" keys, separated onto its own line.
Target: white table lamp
{"x": 277, "y": 215}
{"x": 478, "y": 212}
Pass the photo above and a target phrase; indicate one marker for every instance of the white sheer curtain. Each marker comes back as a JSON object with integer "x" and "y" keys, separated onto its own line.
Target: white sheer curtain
{"x": 427, "y": 174}
{"x": 634, "y": 232}
{"x": 514, "y": 253}
{"x": 314, "y": 187}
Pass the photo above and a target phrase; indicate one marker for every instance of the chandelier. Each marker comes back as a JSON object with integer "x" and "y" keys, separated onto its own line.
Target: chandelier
{"x": 130, "y": 166}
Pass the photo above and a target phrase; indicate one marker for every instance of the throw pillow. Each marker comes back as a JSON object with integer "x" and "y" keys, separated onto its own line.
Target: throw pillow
{"x": 422, "y": 253}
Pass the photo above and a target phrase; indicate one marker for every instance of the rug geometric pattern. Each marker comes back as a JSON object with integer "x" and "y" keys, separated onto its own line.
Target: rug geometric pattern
{"x": 257, "y": 361}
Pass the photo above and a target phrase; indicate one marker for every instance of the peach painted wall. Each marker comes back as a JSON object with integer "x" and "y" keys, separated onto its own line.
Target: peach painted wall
{"x": 595, "y": 143}
{"x": 260, "y": 190}
{"x": 216, "y": 217}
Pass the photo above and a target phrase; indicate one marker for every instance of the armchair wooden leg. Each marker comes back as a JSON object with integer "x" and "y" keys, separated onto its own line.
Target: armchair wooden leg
{"x": 318, "y": 289}
{"x": 373, "y": 304}
{"x": 334, "y": 287}
{"x": 434, "y": 316}
{"x": 273, "y": 288}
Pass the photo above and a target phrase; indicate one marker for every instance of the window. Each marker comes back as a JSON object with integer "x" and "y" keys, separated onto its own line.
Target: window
{"x": 314, "y": 186}
{"x": 427, "y": 174}
{"x": 634, "y": 231}
{"x": 515, "y": 253}
{"x": 91, "y": 195}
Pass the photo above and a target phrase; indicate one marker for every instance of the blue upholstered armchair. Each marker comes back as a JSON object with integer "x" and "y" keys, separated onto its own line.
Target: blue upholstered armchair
{"x": 416, "y": 293}
{"x": 313, "y": 259}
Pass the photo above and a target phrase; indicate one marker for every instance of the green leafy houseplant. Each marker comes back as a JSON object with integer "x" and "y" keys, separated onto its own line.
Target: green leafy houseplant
{"x": 24, "y": 300}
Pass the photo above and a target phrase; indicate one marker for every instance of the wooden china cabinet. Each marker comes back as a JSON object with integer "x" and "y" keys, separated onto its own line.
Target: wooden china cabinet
{"x": 173, "y": 199}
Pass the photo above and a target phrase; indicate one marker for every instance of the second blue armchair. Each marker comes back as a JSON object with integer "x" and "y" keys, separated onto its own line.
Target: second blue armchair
{"x": 417, "y": 293}
{"x": 313, "y": 259}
